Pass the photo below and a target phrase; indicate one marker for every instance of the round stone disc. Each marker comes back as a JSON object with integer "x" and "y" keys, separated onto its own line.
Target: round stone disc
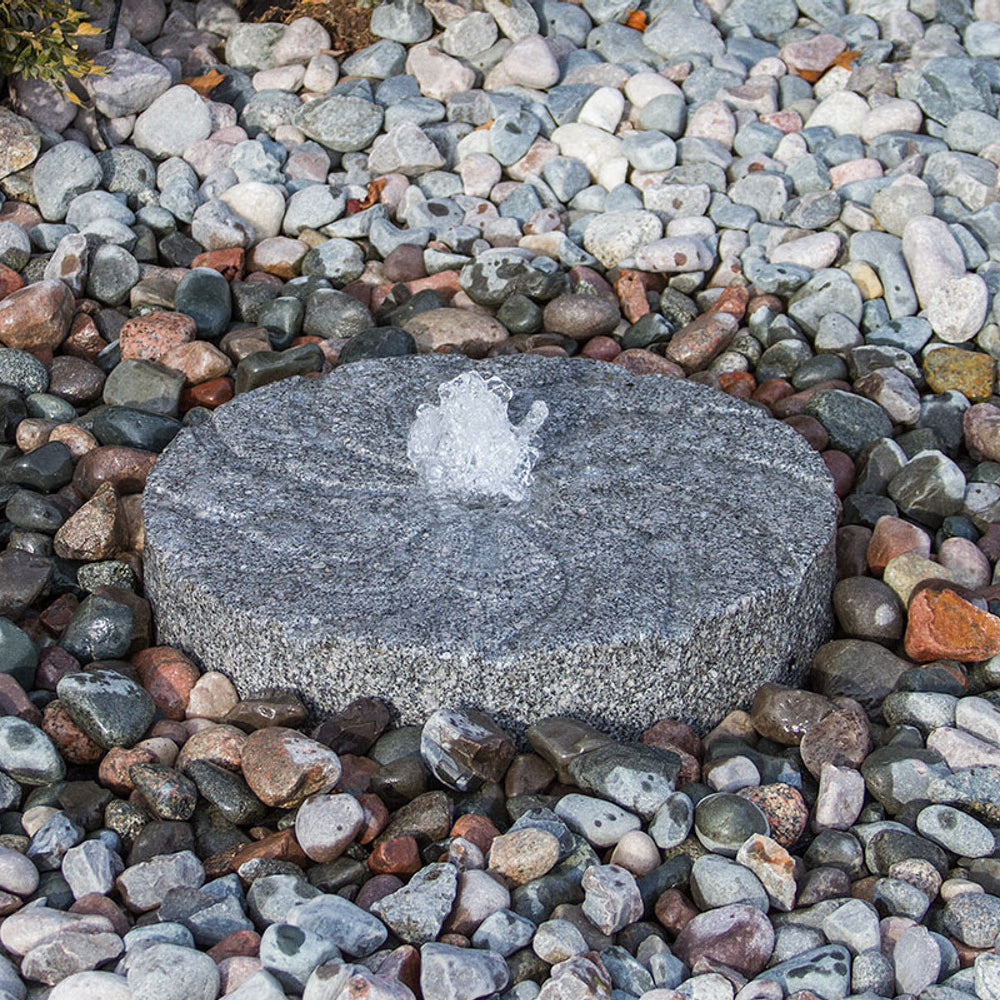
{"x": 674, "y": 551}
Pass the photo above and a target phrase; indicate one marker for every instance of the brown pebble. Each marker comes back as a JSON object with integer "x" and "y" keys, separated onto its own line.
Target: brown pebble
{"x": 239, "y": 943}
{"x": 53, "y": 664}
{"x": 115, "y": 771}
{"x": 125, "y": 468}
{"x": 528, "y": 774}
{"x": 810, "y": 428}
{"x": 403, "y": 963}
{"x": 36, "y": 316}
{"x": 891, "y": 537}
{"x": 14, "y": 701}
{"x": 841, "y": 466}
{"x": 675, "y": 734}
{"x": 601, "y": 349}
{"x": 771, "y": 390}
{"x": 740, "y": 385}
{"x": 376, "y": 817}
{"x": 852, "y": 550}
{"x": 783, "y": 714}
{"x": 209, "y": 394}
{"x": 376, "y": 888}
{"x": 639, "y": 361}
{"x": 398, "y": 856}
{"x": 57, "y": 615}
{"x": 674, "y": 910}
{"x": 694, "y": 345}
{"x": 100, "y": 906}
{"x": 283, "y": 708}
{"x": 280, "y": 846}
{"x": 477, "y": 829}
{"x": 216, "y": 744}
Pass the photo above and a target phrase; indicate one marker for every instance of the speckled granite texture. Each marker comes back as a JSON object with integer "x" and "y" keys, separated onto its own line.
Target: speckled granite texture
{"x": 675, "y": 550}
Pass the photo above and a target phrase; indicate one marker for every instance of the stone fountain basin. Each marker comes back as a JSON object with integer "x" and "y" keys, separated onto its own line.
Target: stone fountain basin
{"x": 675, "y": 551}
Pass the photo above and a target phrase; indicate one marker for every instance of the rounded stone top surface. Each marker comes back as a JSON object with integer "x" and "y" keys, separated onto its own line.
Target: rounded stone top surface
{"x": 654, "y": 503}
{"x": 673, "y": 552}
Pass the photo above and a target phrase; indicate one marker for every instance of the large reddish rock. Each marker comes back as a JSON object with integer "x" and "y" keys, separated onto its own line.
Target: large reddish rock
{"x": 283, "y": 767}
{"x": 738, "y": 936}
{"x": 168, "y": 675}
{"x": 943, "y": 626}
{"x": 150, "y": 337}
{"x": 36, "y": 316}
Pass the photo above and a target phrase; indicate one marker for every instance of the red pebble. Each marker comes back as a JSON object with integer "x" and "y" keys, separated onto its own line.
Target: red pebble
{"x": 168, "y": 675}
{"x": 398, "y": 856}
{"x": 841, "y": 467}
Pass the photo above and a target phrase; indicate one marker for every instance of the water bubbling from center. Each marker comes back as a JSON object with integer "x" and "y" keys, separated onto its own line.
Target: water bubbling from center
{"x": 467, "y": 445}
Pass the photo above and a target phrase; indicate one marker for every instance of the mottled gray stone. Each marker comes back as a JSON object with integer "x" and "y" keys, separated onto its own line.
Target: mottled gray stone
{"x": 251, "y": 525}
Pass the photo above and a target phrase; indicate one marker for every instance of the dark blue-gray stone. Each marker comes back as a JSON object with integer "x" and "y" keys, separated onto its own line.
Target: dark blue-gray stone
{"x": 110, "y": 708}
{"x": 203, "y": 294}
{"x": 100, "y": 629}
{"x": 47, "y": 468}
{"x": 125, "y": 425}
{"x": 27, "y": 754}
{"x": 18, "y": 654}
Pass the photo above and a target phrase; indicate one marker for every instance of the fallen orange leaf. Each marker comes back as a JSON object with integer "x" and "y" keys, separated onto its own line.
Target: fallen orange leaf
{"x": 636, "y": 19}
{"x": 206, "y": 83}
{"x": 846, "y": 58}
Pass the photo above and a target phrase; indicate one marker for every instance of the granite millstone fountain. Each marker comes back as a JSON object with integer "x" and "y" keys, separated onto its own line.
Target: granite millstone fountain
{"x": 671, "y": 549}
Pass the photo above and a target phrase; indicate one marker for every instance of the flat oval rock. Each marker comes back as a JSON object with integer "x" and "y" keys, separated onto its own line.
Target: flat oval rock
{"x": 253, "y": 522}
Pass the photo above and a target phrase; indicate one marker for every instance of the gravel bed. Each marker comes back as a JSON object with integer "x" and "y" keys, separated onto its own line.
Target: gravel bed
{"x": 794, "y": 203}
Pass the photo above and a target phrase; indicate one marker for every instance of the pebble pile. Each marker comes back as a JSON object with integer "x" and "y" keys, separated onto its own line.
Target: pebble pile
{"x": 791, "y": 201}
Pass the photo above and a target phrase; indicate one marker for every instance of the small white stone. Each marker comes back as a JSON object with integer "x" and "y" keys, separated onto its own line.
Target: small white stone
{"x": 261, "y": 205}
{"x": 288, "y": 78}
{"x": 674, "y": 255}
{"x": 641, "y": 88}
{"x": 325, "y": 825}
{"x": 841, "y": 798}
{"x": 816, "y": 251}
{"x": 613, "y": 236}
{"x": 637, "y": 852}
{"x": 891, "y": 115}
{"x": 479, "y": 173}
{"x": 932, "y": 255}
{"x": 18, "y": 873}
{"x": 712, "y": 120}
{"x": 321, "y": 74}
{"x": 844, "y": 111}
{"x": 438, "y": 74}
{"x": 89, "y": 985}
{"x": 956, "y": 309}
{"x": 530, "y": 63}
{"x": 603, "y": 109}
{"x": 593, "y": 146}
